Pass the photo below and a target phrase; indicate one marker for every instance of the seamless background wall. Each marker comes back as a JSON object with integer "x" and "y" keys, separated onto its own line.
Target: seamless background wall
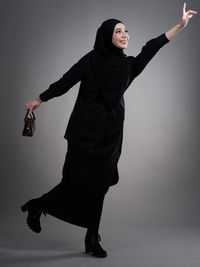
{"x": 159, "y": 166}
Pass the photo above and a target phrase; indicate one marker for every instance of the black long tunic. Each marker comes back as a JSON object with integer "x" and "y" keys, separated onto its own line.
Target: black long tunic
{"x": 95, "y": 134}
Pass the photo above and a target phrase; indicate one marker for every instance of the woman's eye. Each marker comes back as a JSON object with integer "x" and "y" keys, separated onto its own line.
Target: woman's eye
{"x": 120, "y": 31}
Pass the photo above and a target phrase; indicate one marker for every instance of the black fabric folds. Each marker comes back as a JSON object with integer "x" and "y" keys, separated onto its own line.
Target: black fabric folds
{"x": 108, "y": 63}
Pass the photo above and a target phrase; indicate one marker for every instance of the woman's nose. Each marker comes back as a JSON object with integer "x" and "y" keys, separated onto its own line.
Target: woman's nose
{"x": 125, "y": 34}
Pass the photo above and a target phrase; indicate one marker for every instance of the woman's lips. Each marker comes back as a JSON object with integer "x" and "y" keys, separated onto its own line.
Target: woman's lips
{"x": 123, "y": 42}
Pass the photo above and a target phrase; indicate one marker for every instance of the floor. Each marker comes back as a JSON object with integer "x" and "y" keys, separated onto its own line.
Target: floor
{"x": 138, "y": 247}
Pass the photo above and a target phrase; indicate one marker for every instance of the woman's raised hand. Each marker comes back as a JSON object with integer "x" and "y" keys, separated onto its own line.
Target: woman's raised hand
{"x": 186, "y": 16}
{"x": 31, "y": 105}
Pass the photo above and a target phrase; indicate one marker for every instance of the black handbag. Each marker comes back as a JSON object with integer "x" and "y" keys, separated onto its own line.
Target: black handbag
{"x": 29, "y": 124}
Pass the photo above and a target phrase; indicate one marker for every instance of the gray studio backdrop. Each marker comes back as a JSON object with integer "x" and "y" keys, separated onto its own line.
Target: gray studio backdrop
{"x": 159, "y": 166}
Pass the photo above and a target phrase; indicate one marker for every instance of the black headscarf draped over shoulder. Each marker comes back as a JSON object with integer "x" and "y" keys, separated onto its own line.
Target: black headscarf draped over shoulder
{"x": 108, "y": 63}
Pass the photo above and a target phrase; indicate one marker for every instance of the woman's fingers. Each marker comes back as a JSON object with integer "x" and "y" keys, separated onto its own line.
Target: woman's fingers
{"x": 184, "y": 7}
{"x": 187, "y": 15}
{"x": 29, "y": 107}
{"x": 191, "y": 12}
{"x": 30, "y": 110}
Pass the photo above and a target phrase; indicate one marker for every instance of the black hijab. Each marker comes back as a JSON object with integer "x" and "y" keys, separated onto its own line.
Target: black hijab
{"x": 108, "y": 63}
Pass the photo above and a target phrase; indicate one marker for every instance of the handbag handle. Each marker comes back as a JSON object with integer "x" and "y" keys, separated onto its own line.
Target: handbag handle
{"x": 32, "y": 115}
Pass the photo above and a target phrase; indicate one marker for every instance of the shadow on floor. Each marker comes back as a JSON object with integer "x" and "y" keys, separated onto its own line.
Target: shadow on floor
{"x": 21, "y": 257}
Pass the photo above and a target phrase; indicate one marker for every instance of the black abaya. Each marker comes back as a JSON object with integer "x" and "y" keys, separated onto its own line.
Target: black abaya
{"x": 94, "y": 134}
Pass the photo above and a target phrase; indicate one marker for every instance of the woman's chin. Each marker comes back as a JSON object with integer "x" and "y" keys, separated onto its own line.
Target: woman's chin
{"x": 122, "y": 46}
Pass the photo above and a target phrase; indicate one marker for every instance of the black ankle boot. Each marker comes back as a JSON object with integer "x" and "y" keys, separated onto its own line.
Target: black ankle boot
{"x": 33, "y": 207}
{"x": 92, "y": 245}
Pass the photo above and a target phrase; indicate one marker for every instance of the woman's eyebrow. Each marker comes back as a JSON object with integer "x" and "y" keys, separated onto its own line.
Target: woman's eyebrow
{"x": 121, "y": 28}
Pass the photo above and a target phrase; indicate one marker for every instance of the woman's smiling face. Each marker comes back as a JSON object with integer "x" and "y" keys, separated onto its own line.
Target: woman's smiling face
{"x": 120, "y": 36}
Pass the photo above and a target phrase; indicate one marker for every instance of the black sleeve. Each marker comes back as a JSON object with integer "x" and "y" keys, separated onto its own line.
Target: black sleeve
{"x": 68, "y": 80}
{"x": 147, "y": 53}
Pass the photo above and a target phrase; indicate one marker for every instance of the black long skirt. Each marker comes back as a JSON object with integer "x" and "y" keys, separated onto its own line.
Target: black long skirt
{"x": 78, "y": 198}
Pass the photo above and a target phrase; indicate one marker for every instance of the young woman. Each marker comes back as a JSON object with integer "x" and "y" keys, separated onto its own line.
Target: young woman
{"x": 95, "y": 128}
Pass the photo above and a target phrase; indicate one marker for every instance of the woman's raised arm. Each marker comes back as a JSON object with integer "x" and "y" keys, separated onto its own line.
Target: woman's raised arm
{"x": 150, "y": 49}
